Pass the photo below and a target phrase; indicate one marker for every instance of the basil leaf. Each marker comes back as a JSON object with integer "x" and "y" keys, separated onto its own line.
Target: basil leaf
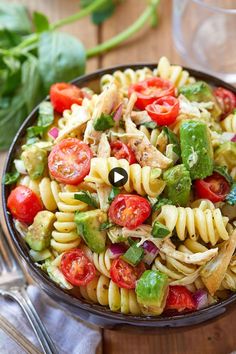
{"x": 40, "y": 22}
{"x": 46, "y": 114}
{"x": 173, "y": 139}
{"x": 11, "y": 118}
{"x": 11, "y": 177}
{"x": 14, "y": 17}
{"x": 87, "y": 198}
{"x": 231, "y": 197}
{"x": 114, "y": 192}
{"x": 104, "y": 122}
{"x": 106, "y": 225}
{"x": 150, "y": 125}
{"x": 61, "y": 58}
{"x": 223, "y": 171}
{"x": 104, "y": 12}
{"x": 8, "y": 38}
{"x": 31, "y": 83}
{"x": 159, "y": 203}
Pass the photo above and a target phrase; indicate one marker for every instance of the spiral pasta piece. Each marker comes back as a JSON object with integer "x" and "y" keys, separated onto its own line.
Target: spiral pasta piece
{"x": 180, "y": 273}
{"x": 139, "y": 178}
{"x": 209, "y": 225}
{"x": 65, "y": 236}
{"x": 123, "y": 79}
{"x": 105, "y": 292}
{"x": 229, "y": 123}
{"x": 45, "y": 188}
{"x": 102, "y": 262}
{"x": 174, "y": 73}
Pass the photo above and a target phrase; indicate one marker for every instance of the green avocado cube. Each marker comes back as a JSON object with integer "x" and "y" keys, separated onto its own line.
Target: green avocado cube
{"x": 152, "y": 291}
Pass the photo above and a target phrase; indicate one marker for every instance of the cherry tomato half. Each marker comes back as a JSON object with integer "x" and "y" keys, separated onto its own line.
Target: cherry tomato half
{"x": 227, "y": 100}
{"x": 215, "y": 188}
{"x": 63, "y": 95}
{"x": 124, "y": 275}
{"x": 180, "y": 298}
{"x": 24, "y": 204}
{"x": 129, "y": 210}
{"x": 150, "y": 90}
{"x": 77, "y": 268}
{"x": 122, "y": 151}
{"x": 164, "y": 111}
{"x": 69, "y": 161}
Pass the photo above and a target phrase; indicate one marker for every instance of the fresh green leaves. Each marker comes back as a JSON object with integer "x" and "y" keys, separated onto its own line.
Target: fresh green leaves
{"x": 173, "y": 139}
{"x": 156, "y": 205}
{"x": 103, "y": 13}
{"x": 14, "y": 17}
{"x": 114, "y": 192}
{"x": 106, "y": 225}
{"x": 45, "y": 119}
{"x": 223, "y": 171}
{"x": 40, "y": 22}
{"x": 104, "y": 122}
{"x": 61, "y": 58}
{"x": 11, "y": 178}
{"x": 87, "y": 198}
{"x": 231, "y": 197}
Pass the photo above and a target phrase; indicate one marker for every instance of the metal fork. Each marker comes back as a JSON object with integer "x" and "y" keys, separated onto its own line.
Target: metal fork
{"x": 13, "y": 285}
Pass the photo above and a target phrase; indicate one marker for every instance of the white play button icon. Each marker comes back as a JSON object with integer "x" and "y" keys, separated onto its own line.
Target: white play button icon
{"x": 118, "y": 177}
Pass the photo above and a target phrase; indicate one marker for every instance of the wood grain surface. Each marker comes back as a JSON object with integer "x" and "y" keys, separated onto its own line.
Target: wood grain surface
{"x": 215, "y": 338}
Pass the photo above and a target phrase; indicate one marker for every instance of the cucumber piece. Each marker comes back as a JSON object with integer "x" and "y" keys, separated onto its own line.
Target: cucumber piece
{"x": 196, "y": 149}
{"x": 133, "y": 255}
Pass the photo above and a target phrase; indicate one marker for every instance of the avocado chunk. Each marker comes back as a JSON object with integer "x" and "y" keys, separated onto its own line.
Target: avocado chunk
{"x": 159, "y": 230}
{"x": 196, "y": 149}
{"x": 178, "y": 184}
{"x": 35, "y": 160}
{"x": 225, "y": 155}
{"x": 89, "y": 228}
{"x": 152, "y": 291}
{"x": 200, "y": 91}
{"x": 39, "y": 233}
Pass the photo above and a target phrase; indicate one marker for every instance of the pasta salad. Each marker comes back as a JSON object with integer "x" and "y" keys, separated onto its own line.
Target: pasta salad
{"x": 164, "y": 241}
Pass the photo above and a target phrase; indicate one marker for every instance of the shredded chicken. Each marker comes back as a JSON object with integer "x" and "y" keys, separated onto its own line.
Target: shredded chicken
{"x": 145, "y": 153}
{"x": 104, "y": 149}
{"x": 214, "y": 271}
{"x": 106, "y": 102}
{"x": 195, "y": 258}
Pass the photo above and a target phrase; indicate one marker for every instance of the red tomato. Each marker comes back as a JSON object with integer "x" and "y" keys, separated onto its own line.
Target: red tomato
{"x": 124, "y": 275}
{"x": 63, "y": 95}
{"x": 24, "y": 204}
{"x": 180, "y": 298}
{"x": 77, "y": 268}
{"x": 226, "y": 98}
{"x": 150, "y": 90}
{"x": 69, "y": 161}
{"x": 122, "y": 151}
{"x": 129, "y": 210}
{"x": 215, "y": 188}
{"x": 164, "y": 111}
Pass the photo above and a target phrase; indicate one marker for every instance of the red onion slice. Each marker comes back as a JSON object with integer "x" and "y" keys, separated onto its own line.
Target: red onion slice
{"x": 234, "y": 138}
{"x": 118, "y": 112}
{"x": 201, "y": 299}
{"x": 150, "y": 252}
{"x": 117, "y": 250}
{"x": 53, "y": 132}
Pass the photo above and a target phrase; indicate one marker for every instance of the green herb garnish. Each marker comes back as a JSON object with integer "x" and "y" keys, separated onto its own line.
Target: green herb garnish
{"x": 11, "y": 177}
{"x": 114, "y": 192}
{"x": 87, "y": 198}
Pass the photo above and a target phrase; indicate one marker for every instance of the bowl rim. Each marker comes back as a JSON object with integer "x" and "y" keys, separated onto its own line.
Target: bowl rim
{"x": 64, "y": 295}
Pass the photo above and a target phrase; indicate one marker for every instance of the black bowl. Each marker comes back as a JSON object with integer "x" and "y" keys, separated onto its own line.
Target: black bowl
{"x": 97, "y": 314}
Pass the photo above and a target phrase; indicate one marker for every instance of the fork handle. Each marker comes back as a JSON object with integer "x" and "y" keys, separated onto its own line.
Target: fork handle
{"x": 21, "y": 296}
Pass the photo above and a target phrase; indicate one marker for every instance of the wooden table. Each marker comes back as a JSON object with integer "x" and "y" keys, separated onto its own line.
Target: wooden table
{"x": 218, "y": 337}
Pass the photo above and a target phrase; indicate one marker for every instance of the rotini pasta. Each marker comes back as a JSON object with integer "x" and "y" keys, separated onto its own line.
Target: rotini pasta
{"x": 229, "y": 123}
{"x": 139, "y": 178}
{"x": 209, "y": 225}
{"x": 104, "y": 291}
